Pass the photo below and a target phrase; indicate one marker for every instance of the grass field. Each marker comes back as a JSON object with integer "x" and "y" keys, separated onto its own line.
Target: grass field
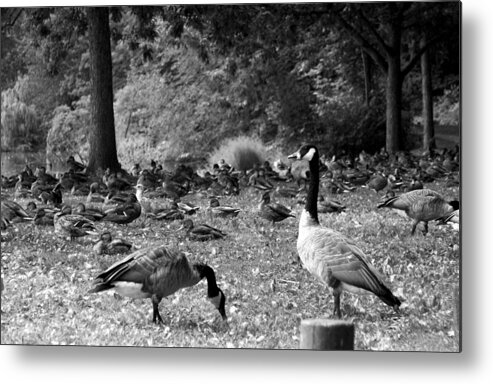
{"x": 268, "y": 292}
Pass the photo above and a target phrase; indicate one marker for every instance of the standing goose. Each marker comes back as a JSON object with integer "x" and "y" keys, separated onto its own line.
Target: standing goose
{"x": 421, "y": 205}
{"x": 155, "y": 273}
{"x": 330, "y": 256}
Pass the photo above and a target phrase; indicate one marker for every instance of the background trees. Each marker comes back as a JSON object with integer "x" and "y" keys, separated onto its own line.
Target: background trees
{"x": 185, "y": 77}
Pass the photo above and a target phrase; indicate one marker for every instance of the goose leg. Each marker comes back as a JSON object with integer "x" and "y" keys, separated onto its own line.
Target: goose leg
{"x": 337, "y": 303}
{"x": 156, "y": 316}
{"x": 415, "y": 224}
{"x": 425, "y": 230}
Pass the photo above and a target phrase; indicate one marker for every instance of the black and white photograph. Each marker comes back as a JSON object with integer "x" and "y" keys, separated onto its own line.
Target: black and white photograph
{"x": 259, "y": 176}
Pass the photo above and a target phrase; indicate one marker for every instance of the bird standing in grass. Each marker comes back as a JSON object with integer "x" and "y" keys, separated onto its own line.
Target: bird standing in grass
{"x": 329, "y": 255}
{"x": 155, "y": 273}
{"x": 273, "y": 212}
{"x": 421, "y": 205}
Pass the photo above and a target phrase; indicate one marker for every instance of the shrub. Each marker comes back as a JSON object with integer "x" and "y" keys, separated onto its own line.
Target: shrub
{"x": 20, "y": 123}
{"x": 69, "y": 132}
{"x": 241, "y": 152}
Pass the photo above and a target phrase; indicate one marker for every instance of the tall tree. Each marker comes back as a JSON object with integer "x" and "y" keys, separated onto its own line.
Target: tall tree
{"x": 384, "y": 31}
{"x": 427, "y": 89}
{"x": 102, "y": 137}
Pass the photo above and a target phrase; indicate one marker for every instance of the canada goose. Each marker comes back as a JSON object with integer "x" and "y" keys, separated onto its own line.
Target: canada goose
{"x": 421, "y": 205}
{"x": 106, "y": 245}
{"x": 74, "y": 225}
{"x": 201, "y": 232}
{"x": 330, "y": 256}
{"x": 273, "y": 212}
{"x": 155, "y": 273}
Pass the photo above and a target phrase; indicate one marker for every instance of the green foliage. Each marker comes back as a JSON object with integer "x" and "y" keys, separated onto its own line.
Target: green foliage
{"x": 46, "y": 280}
{"x": 69, "y": 133}
{"x": 241, "y": 152}
{"x": 20, "y": 123}
{"x": 447, "y": 107}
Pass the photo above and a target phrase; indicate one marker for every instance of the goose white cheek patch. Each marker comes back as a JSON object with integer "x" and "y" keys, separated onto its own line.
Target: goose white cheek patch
{"x": 309, "y": 155}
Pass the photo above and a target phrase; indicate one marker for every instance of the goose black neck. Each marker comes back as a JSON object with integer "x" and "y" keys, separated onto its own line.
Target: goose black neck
{"x": 311, "y": 198}
{"x": 208, "y": 273}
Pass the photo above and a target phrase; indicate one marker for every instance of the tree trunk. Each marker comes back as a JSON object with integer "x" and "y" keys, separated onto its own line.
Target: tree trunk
{"x": 394, "y": 89}
{"x": 102, "y": 141}
{"x": 427, "y": 90}
{"x": 367, "y": 71}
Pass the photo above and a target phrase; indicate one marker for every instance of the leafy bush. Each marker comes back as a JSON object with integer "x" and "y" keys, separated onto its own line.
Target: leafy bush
{"x": 69, "y": 133}
{"x": 349, "y": 126}
{"x": 20, "y": 123}
{"x": 241, "y": 152}
{"x": 447, "y": 107}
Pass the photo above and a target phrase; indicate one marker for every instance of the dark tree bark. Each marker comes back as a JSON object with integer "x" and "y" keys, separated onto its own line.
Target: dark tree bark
{"x": 427, "y": 91}
{"x": 394, "y": 88}
{"x": 368, "y": 75}
{"x": 102, "y": 138}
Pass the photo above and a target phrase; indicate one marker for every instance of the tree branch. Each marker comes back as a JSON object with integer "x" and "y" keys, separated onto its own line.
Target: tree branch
{"x": 412, "y": 62}
{"x": 356, "y": 35}
{"x": 383, "y": 46}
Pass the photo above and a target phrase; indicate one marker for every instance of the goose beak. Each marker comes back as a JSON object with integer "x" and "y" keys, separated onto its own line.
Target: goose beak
{"x": 295, "y": 155}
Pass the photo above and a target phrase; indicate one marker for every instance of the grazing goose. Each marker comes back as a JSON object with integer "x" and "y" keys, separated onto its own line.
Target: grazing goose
{"x": 74, "y": 225}
{"x": 273, "y": 212}
{"x": 156, "y": 273}
{"x": 421, "y": 205}
{"x": 330, "y": 256}
{"x": 106, "y": 245}
{"x": 201, "y": 232}
{"x": 125, "y": 213}
{"x": 222, "y": 211}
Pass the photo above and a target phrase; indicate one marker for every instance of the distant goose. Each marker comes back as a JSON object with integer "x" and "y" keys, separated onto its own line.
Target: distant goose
{"x": 155, "y": 273}
{"x": 421, "y": 205}
{"x": 330, "y": 256}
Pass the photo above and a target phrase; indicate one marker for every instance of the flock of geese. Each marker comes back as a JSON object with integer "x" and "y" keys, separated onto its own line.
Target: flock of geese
{"x": 157, "y": 272}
